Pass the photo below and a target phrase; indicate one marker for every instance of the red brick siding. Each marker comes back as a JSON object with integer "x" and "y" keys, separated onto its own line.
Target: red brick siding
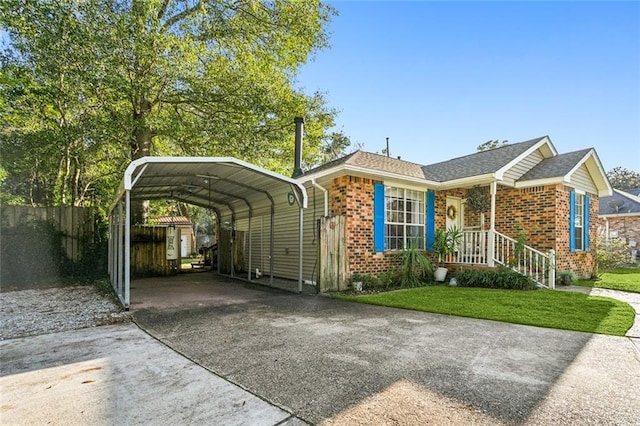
{"x": 543, "y": 213}
{"x": 628, "y": 227}
{"x": 529, "y": 209}
{"x": 579, "y": 262}
{"x": 352, "y": 197}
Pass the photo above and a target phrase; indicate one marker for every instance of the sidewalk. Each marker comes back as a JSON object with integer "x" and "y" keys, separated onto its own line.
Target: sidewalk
{"x": 118, "y": 375}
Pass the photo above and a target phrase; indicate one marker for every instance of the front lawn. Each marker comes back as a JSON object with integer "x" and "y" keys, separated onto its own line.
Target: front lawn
{"x": 624, "y": 279}
{"x": 541, "y": 308}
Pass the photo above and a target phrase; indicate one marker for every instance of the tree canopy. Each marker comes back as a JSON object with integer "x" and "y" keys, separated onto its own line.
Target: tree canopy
{"x": 86, "y": 87}
{"x": 623, "y": 179}
{"x": 491, "y": 144}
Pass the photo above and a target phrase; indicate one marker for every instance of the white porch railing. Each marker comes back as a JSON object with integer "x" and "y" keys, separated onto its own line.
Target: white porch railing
{"x": 475, "y": 249}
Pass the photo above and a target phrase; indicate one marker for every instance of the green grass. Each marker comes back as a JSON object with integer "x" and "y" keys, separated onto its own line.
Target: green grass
{"x": 541, "y": 308}
{"x": 624, "y": 279}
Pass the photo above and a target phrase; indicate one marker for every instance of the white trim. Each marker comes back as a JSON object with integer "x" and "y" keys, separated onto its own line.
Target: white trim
{"x": 499, "y": 174}
{"x": 615, "y": 215}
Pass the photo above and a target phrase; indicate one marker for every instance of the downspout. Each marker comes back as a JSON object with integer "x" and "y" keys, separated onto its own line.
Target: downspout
{"x": 492, "y": 226}
{"x": 326, "y": 196}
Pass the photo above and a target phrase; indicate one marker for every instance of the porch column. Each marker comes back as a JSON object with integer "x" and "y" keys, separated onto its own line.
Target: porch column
{"x": 492, "y": 226}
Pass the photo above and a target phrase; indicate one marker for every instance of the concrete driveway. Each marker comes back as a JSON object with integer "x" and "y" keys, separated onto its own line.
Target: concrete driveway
{"x": 322, "y": 357}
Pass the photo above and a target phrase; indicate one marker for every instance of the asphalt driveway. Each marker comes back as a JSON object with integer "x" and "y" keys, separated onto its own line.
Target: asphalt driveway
{"x": 319, "y": 356}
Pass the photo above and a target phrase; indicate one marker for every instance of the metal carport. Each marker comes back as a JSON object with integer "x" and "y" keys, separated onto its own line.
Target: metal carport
{"x": 232, "y": 188}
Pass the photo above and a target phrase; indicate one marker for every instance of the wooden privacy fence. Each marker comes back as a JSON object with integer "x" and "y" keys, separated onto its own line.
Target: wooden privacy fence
{"x": 239, "y": 250}
{"x": 334, "y": 264}
{"x": 149, "y": 251}
{"x": 76, "y": 224}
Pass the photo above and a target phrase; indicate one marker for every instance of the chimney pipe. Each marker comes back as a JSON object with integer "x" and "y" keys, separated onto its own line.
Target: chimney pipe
{"x": 297, "y": 164}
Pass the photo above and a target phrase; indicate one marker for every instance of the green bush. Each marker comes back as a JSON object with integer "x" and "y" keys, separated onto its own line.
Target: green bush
{"x": 502, "y": 278}
{"x": 415, "y": 268}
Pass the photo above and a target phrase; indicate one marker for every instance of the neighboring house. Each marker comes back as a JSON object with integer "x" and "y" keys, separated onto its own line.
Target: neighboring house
{"x": 620, "y": 217}
{"x": 389, "y": 204}
{"x": 184, "y": 225}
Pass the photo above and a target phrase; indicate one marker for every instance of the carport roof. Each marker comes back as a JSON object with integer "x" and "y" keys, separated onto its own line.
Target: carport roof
{"x": 223, "y": 183}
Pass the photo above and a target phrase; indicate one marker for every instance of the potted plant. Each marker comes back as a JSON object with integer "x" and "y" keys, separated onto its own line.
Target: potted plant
{"x": 445, "y": 243}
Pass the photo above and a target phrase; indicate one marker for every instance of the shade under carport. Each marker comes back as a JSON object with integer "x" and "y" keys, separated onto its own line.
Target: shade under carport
{"x": 228, "y": 186}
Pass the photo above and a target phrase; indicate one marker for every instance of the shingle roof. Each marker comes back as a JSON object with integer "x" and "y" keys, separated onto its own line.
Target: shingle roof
{"x": 376, "y": 162}
{"x": 479, "y": 163}
{"x": 620, "y": 202}
{"x": 556, "y": 166}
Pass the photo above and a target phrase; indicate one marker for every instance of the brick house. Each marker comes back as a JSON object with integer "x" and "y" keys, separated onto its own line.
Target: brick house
{"x": 546, "y": 198}
{"x": 619, "y": 215}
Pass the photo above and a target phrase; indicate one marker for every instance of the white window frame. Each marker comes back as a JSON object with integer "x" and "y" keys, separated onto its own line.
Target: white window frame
{"x": 411, "y": 223}
{"x": 578, "y": 222}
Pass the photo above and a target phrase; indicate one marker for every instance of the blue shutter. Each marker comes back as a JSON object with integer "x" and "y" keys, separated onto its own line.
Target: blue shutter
{"x": 431, "y": 219}
{"x": 586, "y": 223}
{"x": 378, "y": 217}
{"x": 572, "y": 224}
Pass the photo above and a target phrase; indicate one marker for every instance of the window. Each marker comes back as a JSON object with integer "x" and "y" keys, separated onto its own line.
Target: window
{"x": 404, "y": 219}
{"x": 578, "y": 222}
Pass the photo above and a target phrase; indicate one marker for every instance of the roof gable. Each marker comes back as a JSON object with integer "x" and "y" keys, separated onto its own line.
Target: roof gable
{"x": 563, "y": 168}
{"x": 373, "y": 163}
{"x": 483, "y": 163}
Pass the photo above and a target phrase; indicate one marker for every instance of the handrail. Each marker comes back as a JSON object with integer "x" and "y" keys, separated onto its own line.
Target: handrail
{"x": 473, "y": 250}
{"x": 525, "y": 259}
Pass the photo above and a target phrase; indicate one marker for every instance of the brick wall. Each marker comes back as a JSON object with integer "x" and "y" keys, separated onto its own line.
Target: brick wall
{"x": 541, "y": 212}
{"x": 352, "y": 196}
{"x": 579, "y": 262}
{"x": 628, "y": 227}
{"x": 531, "y": 210}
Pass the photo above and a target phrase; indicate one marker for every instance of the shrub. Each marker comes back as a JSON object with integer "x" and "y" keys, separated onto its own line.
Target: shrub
{"x": 415, "y": 268}
{"x": 612, "y": 254}
{"x": 565, "y": 277}
{"x": 502, "y": 278}
{"x": 386, "y": 279}
{"x": 368, "y": 281}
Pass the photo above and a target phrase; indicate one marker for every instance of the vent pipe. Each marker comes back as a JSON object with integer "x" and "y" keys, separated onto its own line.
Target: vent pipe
{"x": 297, "y": 163}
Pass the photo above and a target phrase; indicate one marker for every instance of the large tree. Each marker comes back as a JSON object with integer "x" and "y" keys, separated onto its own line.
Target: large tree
{"x": 112, "y": 81}
{"x": 623, "y": 179}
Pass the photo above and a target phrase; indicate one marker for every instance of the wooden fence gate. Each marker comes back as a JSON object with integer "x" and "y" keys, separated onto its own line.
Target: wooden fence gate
{"x": 334, "y": 264}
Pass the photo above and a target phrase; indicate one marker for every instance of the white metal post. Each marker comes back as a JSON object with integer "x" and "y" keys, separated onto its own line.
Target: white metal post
{"x": 300, "y": 244}
{"x": 120, "y": 250}
{"x": 127, "y": 249}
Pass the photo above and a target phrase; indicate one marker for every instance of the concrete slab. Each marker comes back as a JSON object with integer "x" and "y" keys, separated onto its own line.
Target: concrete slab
{"x": 118, "y": 375}
{"x": 320, "y": 357}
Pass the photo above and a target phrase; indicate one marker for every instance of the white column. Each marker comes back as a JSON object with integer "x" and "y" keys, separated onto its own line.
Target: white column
{"x": 492, "y": 226}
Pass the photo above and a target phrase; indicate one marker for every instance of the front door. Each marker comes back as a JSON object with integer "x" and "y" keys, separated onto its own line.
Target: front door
{"x": 454, "y": 212}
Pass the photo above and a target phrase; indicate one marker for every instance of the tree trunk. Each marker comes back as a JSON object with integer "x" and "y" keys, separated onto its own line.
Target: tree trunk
{"x": 141, "y": 147}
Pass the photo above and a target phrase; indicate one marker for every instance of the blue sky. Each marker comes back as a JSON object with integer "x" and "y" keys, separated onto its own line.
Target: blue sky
{"x": 441, "y": 78}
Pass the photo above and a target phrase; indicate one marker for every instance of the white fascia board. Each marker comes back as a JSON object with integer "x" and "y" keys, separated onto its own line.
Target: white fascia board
{"x": 468, "y": 181}
{"x": 615, "y": 215}
{"x": 128, "y": 175}
{"x": 540, "y": 182}
{"x": 348, "y": 169}
{"x": 601, "y": 181}
{"x": 544, "y": 141}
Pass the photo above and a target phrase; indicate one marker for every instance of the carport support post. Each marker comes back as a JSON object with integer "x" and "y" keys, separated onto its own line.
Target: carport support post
{"x": 119, "y": 278}
{"x": 300, "y": 241}
{"x": 127, "y": 249}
